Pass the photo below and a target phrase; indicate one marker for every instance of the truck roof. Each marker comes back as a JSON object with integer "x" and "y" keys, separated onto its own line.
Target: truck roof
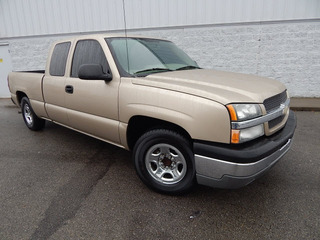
{"x": 102, "y": 36}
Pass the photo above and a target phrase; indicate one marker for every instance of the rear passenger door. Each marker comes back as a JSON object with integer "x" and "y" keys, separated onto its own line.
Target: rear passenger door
{"x": 54, "y": 84}
{"x": 92, "y": 105}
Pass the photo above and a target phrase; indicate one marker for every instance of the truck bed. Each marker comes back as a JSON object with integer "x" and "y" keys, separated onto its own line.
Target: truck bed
{"x": 27, "y": 82}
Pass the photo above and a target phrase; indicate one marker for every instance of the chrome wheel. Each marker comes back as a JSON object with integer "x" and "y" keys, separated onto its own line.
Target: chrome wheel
{"x": 165, "y": 164}
{"x": 32, "y": 121}
{"x": 28, "y": 114}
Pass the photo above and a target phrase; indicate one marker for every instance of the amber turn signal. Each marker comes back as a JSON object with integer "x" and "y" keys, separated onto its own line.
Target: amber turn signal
{"x": 235, "y": 136}
{"x": 232, "y": 112}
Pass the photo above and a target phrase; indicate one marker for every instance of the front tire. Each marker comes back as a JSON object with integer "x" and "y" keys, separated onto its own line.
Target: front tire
{"x": 164, "y": 161}
{"x": 30, "y": 118}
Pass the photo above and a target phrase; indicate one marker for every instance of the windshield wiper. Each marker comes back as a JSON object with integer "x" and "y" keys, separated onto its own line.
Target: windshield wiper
{"x": 188, "y": 67}
{"x": 152, "y": 69}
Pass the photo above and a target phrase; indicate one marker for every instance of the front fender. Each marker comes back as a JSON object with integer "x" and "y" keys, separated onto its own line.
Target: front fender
{"x": 202, "y": 118}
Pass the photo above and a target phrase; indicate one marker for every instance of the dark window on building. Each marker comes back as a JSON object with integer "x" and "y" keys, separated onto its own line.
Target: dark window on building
{"x": 59, "y": 59}
{"x": 88, "y": 52}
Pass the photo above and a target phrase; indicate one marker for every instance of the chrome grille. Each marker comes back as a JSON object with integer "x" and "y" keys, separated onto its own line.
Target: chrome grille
{"x": 275, "y": 101}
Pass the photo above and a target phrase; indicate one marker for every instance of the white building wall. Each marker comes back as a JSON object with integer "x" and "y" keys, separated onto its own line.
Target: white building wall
{"x": 43, "y": 17}
{"x": 274, "y": 38}
{"x": 288, "y": 52}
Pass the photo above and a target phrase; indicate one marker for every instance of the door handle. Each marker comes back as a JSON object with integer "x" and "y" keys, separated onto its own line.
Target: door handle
{"x": 69, "y": 89}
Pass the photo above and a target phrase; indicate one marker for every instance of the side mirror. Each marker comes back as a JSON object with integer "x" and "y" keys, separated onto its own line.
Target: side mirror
{"x": 93, "y": 72}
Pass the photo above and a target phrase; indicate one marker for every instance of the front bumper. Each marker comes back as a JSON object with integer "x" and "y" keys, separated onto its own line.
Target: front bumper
{"x": 230, "y": 166}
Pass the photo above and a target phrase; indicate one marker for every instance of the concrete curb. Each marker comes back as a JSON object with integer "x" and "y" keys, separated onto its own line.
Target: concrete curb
{"x": 305, "y": 104}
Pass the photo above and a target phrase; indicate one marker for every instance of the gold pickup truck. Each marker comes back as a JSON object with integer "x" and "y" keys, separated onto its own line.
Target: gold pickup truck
{"x": 184, "y": 125}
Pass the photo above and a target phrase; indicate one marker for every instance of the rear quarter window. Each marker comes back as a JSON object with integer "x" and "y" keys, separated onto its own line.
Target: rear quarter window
{"x": 59, "y": 59}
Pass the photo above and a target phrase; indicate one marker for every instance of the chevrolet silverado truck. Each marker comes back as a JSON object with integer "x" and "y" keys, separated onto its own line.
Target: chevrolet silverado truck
{"x": 183, "y": 124}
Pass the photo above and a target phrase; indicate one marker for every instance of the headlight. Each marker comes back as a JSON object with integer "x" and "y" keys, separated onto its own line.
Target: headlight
{"x": 242, "y": 112}
{"x": 247, "y": 134}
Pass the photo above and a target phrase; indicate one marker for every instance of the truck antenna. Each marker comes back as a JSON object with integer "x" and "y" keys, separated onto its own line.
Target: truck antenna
{"x": 125, "y": 32}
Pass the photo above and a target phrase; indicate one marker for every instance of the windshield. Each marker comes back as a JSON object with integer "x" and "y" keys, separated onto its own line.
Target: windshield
{"x": 146, "y": 56}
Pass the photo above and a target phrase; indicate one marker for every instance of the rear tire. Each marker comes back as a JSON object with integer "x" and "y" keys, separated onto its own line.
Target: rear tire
{"x": 30, "y": 118}
{"x": 164, "y": 161}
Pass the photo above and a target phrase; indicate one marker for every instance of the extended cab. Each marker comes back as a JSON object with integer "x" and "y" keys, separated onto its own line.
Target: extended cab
{"x": 184, "y": 124}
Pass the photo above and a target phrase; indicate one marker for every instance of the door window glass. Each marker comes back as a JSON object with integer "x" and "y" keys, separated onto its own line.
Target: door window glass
{"x": 88, "y": 52}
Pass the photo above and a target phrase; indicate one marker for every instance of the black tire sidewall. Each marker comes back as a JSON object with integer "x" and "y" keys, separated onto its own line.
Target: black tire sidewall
{"x": 24, "y": 103}
{"x": 37, "y": 123}
{"x": 152, "y": 138}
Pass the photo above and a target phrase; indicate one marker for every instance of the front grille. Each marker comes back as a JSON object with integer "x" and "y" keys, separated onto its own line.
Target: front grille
{"x": 275, "y": 101}
{"x": 275, "y": 121}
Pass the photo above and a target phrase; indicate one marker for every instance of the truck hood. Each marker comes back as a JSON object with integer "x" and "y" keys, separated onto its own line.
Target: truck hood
{"x": 219, "y": 86}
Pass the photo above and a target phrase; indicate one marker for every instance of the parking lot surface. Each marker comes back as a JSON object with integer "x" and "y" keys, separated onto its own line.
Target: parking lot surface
{"x": 60, "y": 184}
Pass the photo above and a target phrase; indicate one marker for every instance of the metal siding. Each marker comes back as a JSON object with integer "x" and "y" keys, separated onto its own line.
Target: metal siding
{"x": 34, "y": 17}
{"x": 4, "y": 26}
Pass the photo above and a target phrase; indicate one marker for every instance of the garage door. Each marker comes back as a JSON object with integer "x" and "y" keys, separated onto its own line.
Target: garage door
{"x": 5, "y": 68}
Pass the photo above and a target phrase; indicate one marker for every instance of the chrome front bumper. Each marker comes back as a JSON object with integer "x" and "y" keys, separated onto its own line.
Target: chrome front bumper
{"x": 230, "y": 168}
{"x": 221, "y": 174}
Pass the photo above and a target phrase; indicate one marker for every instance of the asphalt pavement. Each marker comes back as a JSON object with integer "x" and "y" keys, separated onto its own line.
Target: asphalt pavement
{"x": 60, "y": 184}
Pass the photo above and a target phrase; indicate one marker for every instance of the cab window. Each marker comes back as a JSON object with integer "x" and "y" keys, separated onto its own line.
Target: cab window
{"x": 59, "y": 59}
{"x": 88, "y": 52}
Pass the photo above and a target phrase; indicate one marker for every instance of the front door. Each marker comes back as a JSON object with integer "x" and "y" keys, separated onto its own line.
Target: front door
{"x": 92, "y": 105}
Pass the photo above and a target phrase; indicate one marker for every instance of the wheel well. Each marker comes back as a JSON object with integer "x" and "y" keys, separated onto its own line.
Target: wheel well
{"x": 20, "y": 95}
{"x": 138, "y": 125}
